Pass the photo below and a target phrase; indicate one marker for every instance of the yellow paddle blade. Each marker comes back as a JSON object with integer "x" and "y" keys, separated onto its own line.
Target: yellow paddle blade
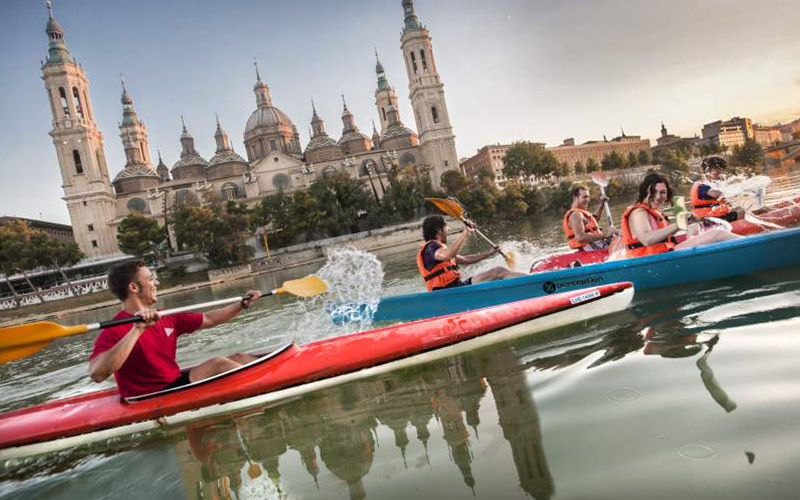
{"x": 304, "y": 287}
{"x": 23, "y": 340}
{"x": 510, "y": 258}
{"x": 449, "y": 206}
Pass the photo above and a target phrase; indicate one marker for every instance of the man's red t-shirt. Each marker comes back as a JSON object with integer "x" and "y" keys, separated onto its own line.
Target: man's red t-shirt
{"x": 151, "y": 364}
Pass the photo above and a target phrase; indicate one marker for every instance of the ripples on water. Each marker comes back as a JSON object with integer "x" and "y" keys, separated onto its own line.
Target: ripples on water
{"x": 692, "y": 391}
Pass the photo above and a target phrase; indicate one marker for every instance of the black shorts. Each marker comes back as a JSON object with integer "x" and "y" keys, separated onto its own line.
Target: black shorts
{"x": 456, "y": 283}
{"x": 730, "y": 216}
{"x": 183, "y": 379}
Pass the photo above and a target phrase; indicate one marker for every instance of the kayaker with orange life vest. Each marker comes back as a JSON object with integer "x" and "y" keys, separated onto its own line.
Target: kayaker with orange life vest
{"x": 580, "y": 225}
{"x": 142, "y": 357}
{"x": 707, "y": 201}
{"x": 646, "y": 230}
{"x": 439, "y": 264}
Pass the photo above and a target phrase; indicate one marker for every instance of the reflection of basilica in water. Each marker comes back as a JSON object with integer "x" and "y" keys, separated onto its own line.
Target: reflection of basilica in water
{"x": 340, "y": 427}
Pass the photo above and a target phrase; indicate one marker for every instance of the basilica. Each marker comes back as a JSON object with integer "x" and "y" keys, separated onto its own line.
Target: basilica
{"x": 275, "y": 159}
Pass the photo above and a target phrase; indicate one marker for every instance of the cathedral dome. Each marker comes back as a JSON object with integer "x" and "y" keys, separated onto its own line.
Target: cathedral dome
{"x": 267, "y": 117}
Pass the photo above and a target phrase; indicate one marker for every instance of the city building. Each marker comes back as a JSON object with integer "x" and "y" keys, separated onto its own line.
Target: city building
{"x": 56, "y": 231}
{"x": 491, "y": 157}
{"x": 275, "y": 158}
{"x": 670, "y": 141}
{"x": 733, "y": 132}
{"x": 765, "y": 135}
{"x": 785, "y": 155}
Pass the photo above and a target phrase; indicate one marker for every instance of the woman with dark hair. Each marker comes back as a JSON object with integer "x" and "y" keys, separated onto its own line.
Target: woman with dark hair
{"x": 647, "y": 231}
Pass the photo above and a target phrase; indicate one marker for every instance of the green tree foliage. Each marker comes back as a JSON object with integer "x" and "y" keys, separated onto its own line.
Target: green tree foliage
{"x": 51, "y": 253}
{"x": 710, "y": 148}
{"x": 141, "y": 236}
{"x": 17, "y": 254}
{"x": 454, "y": 182}
{"x": 749, "y": 155}
{"x": 579, "y": 168}
{"x": 644, "y": 158}
{"x": 672, "y": 163}
{"x": 219, "y": 232}
{"x": 344, "y": 199}
{"x": 633, "y": 160}
{"x": 592, "y": 166}
{"x": 526, "y": 159}
{"x": 612, "y": 161}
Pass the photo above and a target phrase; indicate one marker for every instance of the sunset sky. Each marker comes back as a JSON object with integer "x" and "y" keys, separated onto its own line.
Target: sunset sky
{"x": 512, "y": 69}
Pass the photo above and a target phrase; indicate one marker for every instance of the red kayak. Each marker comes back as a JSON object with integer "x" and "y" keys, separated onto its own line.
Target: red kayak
{"x": 292, "y": 370}
{"x": 784, "y": 214}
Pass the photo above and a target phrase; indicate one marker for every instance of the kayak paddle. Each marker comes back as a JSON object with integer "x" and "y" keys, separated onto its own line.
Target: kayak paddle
{"x": 601, "y": 180}
{"x": 453, "y": 208}
{"x": 20, "y": 341}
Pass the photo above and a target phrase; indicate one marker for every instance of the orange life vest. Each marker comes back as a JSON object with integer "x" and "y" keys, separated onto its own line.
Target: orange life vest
{"x": 634, "y": 247}
{"x": 441, "y": 275}
{"x": 590, "y": 227}
{"x": 707, "y": 208}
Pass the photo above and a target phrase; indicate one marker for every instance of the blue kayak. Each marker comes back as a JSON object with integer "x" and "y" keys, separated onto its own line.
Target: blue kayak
{"x": 748, "y": 255}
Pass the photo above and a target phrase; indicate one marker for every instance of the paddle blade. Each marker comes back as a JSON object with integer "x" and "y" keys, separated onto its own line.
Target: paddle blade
{"x": 449, "y": 206}
{"x": 510, "y": 259}
{"x": 304, "y": 287}
{"x": 23, "y": 340}
{"x": 599, "y": 178}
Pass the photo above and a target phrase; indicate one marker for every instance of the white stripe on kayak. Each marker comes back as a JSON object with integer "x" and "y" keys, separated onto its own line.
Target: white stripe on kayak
{"x": 600, "y": 307}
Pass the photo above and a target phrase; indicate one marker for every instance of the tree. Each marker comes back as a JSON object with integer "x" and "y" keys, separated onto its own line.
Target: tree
{"x": 51, "y": 253}
{"x": 749, "y": 154}
{"x": 796, "y": 136}
{"x": 592, "y": 166}
{"x": 612, "y": 161}
{"x": 343, "y": 199}
{"x": 579, "y": 168}
{"x": 17, "y": 253}
{"x": 141, "y": 236}
{"x": 511, "y": 203}
{"x": 11, "y": 244}
{"x": 672, "y": 163}
{"x": 633, "y": 160}
{"x": 526, "y": 159}
{"x": 454, "y": 182}
{"x": 219, "y": 232}
{"x": 644, "y": 157}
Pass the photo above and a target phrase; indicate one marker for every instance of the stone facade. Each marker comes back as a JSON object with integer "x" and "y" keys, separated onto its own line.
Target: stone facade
{"x": 275, "y": 159}
{"x": 733, "y": 132}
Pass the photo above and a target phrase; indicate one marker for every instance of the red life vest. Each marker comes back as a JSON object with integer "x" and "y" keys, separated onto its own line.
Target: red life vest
{"x": 441, "y": 275}
{"x": 634, "y": 247}
{"x": 707, "y": 208}
{"x": 590, "y": 227}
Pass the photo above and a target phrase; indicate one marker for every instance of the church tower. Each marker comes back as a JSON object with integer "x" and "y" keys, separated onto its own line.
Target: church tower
{"x": 426, "y": 91}
{"x": 79, "y": 147}
{"x": 384, "y": 95}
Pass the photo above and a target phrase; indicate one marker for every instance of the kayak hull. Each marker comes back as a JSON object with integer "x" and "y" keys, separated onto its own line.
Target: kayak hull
{"x": 65, "y": 423}
{"x": 739, "y": 257}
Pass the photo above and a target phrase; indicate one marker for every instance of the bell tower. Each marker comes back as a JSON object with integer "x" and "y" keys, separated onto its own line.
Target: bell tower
{"x": 426, "y": 91}
{"x": 79, "y": 146}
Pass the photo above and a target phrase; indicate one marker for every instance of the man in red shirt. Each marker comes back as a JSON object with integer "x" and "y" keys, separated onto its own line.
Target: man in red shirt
{"x": 142, "y": 357}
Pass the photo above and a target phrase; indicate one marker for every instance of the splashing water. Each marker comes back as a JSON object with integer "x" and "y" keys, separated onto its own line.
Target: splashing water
{"x": 355, "y": 286}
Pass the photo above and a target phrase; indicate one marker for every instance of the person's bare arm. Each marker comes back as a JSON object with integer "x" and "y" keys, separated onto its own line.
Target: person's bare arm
{"x": 476, "y": 257}
{"x": 219, "y": 316}
{"x": 599, "y": 212}
{"x": 106, "y": 363}
{"x": 451, "y": 252}
{"x": 641, "y": 230}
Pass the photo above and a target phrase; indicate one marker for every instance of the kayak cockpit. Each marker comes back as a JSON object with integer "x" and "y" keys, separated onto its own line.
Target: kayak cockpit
{"x": 262, "y": 358}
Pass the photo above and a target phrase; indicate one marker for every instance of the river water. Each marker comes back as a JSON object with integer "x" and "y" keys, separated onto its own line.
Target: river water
{"x": 693, "y": 391}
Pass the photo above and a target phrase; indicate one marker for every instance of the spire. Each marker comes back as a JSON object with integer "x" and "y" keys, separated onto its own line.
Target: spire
{"x": 187, "y": 141}
{"x": 223, "y": 142}
{"x": 663, "y": 130}
{"x": 314, "y": 116}
{"x": 376, "y": 137}
{"x": 345, "y": 111}
{"x": 347, "y": 119}
{"x": 263, "y": 99}
{"x": 57, "y": 52}
{"x": 383, "y": 83}
{"x": 623, "y": 131}
{"x": 411, "y": 19}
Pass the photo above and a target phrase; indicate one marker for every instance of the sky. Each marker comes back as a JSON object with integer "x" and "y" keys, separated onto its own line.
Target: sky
{"x": 538, "y": 70}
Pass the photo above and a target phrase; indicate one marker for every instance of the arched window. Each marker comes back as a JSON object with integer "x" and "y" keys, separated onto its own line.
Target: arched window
{"x": 185, "y": 197}
{"x": 407, "y": 159}
{"x": 76, "y": 157}
{"x": 281, "y": 181}
{"x": 64, "y": 103}
{"x": 230, "y": 191}
{"x": 413, "y": 62}
{"x": 383, "y": 110}
{"x": 435, "y": 114}
{"x": 77, "y": 99}
{"x": 137, "y": 205}
{"x": 422, "y": 59}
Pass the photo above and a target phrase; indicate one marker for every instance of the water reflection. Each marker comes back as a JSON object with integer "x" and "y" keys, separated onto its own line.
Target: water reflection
{"x": 339, "y": 427}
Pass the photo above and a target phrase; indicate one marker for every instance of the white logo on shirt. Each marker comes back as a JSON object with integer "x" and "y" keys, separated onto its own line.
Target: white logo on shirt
{"x": 169, "y": 331}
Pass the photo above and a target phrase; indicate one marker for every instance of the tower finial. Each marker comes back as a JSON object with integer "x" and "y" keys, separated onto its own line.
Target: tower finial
{"x": 122, "y": 79}
{"x": 216, "y": 115}
{"x": 49, "y": 7}
{"x": 258, "y": 75}
{"x": 183, "y": 122}
{"x": 344, "y": 102}
{"x": 313, "y": 108}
